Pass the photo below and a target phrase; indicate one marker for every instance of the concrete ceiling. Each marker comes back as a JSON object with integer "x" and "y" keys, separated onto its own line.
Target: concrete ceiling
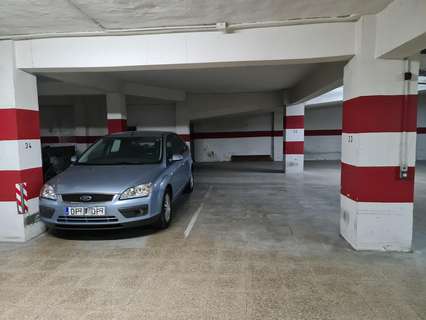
{"x": 19, "y": 17}
{"x": 218, "y": 80}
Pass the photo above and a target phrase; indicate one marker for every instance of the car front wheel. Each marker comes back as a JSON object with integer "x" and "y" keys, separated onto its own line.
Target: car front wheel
{"x": 166, "y": 211}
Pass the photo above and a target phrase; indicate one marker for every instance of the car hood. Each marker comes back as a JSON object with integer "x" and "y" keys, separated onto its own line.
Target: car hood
{"x": 104, "y": 179}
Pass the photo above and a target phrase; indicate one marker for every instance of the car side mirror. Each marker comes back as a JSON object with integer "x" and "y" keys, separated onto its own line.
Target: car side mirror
{"x": 177, "y": 157}
{"x": 73, "y": 159}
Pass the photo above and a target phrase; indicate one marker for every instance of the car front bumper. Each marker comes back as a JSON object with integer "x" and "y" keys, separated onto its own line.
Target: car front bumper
{"x": 118, "y": 214}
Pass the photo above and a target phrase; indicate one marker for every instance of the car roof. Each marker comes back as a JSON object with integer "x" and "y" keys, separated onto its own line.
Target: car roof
{"x": 152, "y": 133}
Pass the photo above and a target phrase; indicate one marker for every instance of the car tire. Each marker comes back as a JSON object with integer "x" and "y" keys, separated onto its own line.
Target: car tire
{"x": 166, "y": 211}
{"x": 190, "y": 185}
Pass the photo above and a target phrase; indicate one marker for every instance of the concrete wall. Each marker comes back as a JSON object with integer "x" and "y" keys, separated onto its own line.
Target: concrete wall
{"x": 216, "y": 137}
{"x": 221, "y": 138}
{"x": 322, "y": 132}
{"x": 152, "y": 117}
{"x": 323, "y": 125}
{"x": 421, "y": 128}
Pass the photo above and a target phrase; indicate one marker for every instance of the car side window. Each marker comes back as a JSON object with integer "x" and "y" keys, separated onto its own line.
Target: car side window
{"x": 169, "y": 147}
{"x": 179, "y": 147}
{"x": 182, "y": 145}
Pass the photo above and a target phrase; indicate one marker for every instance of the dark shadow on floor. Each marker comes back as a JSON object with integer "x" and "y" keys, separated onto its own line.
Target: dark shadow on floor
{"x": 250, "y": 167}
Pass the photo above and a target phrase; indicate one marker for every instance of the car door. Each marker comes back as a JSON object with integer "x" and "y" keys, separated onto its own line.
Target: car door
{"x": 174, "y": 168}
{"x": 185, "y": 169}
{"x": 179, "y": 148}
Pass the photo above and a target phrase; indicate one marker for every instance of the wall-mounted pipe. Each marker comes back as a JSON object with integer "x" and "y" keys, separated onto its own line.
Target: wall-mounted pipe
{"x": 221, "y": 26}
{"x": 403, "y": 169}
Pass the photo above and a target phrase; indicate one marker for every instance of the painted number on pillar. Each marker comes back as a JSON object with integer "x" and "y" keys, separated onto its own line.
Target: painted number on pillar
{"x": 350, "y": 139}
{"x": 28, "y": 145}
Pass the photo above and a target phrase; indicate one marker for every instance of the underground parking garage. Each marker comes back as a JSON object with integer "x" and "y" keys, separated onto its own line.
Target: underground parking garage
{"x": 220, "y": 160}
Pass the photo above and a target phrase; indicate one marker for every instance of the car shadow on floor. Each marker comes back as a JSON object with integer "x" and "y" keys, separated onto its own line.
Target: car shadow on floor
{"x": 241, "y": 168}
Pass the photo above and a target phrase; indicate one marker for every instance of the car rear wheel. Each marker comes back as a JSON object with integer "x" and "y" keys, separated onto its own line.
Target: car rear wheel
{"x": 166, "y": 211}
{"x": 190, "y": 186}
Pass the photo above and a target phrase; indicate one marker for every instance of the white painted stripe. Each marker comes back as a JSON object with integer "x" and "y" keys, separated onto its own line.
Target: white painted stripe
{"x": 376, "y": 225}
{"x": 295, "y": 110}
{"x": 197, "y": 213}
{"x": 377, "y": 149}
{"x": 182, "y": 129}
{"x": 207, "y": 194}
{"x": 372, "y": 77}
{"x": 30, "y": 107}
{"x": 12, "y": 223}
{"x": 20, "y": 154}
{"x": 294, "y": 134}
{"x": 116, "y": 116}
{"x": 294, "y": 163}
{"x": 192, "y": 221}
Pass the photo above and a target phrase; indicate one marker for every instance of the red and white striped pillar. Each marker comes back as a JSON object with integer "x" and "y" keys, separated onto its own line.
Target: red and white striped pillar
{"x": 278, "y": 134}
{"x": 20, "y": 157}
{"x": 378, "y": 139}
{"x": 80, "y": 126}
{"x": 116, "y": 112}
{"x": 294, "y": 137}
{"x": 183, "y": 123}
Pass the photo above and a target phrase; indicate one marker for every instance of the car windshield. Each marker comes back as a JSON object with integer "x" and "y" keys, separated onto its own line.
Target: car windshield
{"x": 123, "y": 150}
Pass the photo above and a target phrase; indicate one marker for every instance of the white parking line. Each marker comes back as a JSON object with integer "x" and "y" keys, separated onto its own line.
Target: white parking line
{"x": 196, "y": 214}
{"x": 192, "y": 222}
{"x": 207, "y": 194}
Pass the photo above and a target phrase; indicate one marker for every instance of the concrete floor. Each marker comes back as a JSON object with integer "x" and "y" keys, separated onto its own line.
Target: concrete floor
{"x": 264, "y": 246}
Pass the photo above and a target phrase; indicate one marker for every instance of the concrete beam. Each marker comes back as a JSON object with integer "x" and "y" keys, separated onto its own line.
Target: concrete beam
{"x": 205, "y": 106}
{"x": 401, "y": 29}
{"x": 136, "y": 89}
{"x": 323, "y": 79}
{"x": 92, "y": 81}
{"x": 273, "y": 45}
{"x": 63, "y": 89}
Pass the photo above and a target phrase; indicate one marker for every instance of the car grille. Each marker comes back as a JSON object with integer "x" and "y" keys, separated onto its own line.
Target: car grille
{"x": 46, "y": 212}
{"x": 77, "y": 197}
{"x": 92, "y": 220}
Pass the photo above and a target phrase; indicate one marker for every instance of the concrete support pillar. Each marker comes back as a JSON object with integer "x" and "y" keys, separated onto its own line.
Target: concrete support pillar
{"x": 116, "y": 112}
{"x": 20, "y": 156}
{"x": 294, "y": 137}
{"x": 378, "y": 140}
{"x": 183, "y": 122}
{"x": 80, "y": 126}
{"x": 278, "y": 135}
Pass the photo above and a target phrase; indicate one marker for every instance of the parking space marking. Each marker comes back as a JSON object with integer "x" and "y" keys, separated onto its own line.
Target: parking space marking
{"x": 196, "y": 214}
{"x": 192, "y": 221}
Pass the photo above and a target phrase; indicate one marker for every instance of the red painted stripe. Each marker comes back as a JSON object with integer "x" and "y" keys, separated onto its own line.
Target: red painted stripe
{"x": 208, "y": 135}
{"x": 379, "y": 114}
{"x": 376, "y": 184}
{"x": 326, "y": 132}
{"x": 18, "y": 124}
{"x": 9, "y": 178}
{"x": 185, "y": 137}
{"x": 117, "y": 125}
{"x": 294, "y": 122}
{"x": 293, "y": 147}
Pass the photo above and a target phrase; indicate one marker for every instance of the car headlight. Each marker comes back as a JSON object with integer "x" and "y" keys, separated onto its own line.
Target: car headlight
{"x": 140, "y": 191}
{"x": 48, "y": 192}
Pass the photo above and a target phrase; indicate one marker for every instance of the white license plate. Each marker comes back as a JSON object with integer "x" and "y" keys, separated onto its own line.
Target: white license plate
{"x": 86, "y": 211}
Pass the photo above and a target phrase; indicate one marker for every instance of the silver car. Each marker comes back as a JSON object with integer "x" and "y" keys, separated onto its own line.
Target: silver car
{"x": 124, "y": 179}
